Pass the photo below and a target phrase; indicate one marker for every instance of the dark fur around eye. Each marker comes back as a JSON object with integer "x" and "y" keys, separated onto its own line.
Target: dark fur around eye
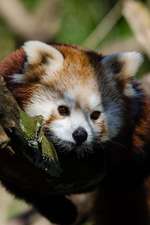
{"x": 95, "y": 115}
{"x": 116, "y": 67}
{"x": 63, "y": 110}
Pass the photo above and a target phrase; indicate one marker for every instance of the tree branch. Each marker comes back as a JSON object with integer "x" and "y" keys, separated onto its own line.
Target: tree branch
{"x": 138, "y": 17}
{"x": 130, "y": 44}
{"x": 104, "y": 27}
{"x": 23, "y": 135}
{"x": 26, "y": 24}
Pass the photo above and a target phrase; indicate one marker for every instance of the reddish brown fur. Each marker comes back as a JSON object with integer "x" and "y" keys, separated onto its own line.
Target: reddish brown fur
{"x": 68, "y": 74}
{"x": 142, "y": 130}
{"x": 12, "y": 63}
{"x": 70, "y": 71}
{"x": 118, "y": 207}
{"x": 83, "y": 74}
{"x": 65, "y": 78}
{"x": 23, "y": 93}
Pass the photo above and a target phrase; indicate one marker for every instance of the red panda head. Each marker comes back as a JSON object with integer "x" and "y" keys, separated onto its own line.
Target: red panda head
{"x": 79, "y": 93}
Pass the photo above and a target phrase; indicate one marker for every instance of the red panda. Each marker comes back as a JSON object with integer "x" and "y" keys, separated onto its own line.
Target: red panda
{"x": 90, "y": 103}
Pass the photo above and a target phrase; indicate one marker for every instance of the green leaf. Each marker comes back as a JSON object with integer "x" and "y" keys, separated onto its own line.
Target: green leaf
{"x": 30, "y": 125}
{"x": 40, "y": 150}
{"x": 48, "y": 149}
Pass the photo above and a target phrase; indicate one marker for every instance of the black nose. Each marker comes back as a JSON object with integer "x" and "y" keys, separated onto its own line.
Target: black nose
{"x": 79, "y": 135}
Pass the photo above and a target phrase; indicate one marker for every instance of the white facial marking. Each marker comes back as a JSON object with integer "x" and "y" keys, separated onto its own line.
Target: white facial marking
{"x": 46, "y": 103}
{"x": 84, "y": 95}
{"x": 95, "y": 102}
{"x": 69, "y": 99}
{"x": 65, "y": 127}
{"x": 41, "y": 103}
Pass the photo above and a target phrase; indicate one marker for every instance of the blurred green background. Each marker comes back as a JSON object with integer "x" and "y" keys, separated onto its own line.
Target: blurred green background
{"x": 95, "y": 24}
{"x": 78, "y": 19}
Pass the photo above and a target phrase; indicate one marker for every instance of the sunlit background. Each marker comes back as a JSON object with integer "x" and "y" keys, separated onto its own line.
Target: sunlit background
{"x": 104, "y": 25}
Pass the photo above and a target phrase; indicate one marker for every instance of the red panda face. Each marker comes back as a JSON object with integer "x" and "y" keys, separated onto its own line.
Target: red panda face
{"x": 79, "y": 93}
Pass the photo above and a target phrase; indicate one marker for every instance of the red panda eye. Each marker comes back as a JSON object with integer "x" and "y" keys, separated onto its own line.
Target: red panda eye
{"x": 95, "y": 115}
{"x": 63, "y": 110}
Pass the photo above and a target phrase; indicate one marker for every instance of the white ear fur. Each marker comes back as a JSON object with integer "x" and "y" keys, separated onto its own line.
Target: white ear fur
{"x": 130, "y": 62}
{"x": 34, "y": 48}
{"x": 54, "y": 59}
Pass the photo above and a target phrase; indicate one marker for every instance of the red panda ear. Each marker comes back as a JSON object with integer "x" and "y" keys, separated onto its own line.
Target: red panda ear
{"x": 124, "y": 64}
{"x": 42, "y": 61}
{"x": 37, "y": 50}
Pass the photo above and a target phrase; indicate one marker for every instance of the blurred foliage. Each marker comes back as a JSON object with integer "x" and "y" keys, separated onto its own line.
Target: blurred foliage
{"x": 81, "y": 17}
{"x": 120, "y": 32}
{"x": 31, "y": 4}
{"x": 78, "y": 20}
{"x": 7, "y": 39}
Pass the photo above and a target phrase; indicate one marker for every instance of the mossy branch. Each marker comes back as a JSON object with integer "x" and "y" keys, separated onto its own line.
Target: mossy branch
{"x": 23, "y": 135}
